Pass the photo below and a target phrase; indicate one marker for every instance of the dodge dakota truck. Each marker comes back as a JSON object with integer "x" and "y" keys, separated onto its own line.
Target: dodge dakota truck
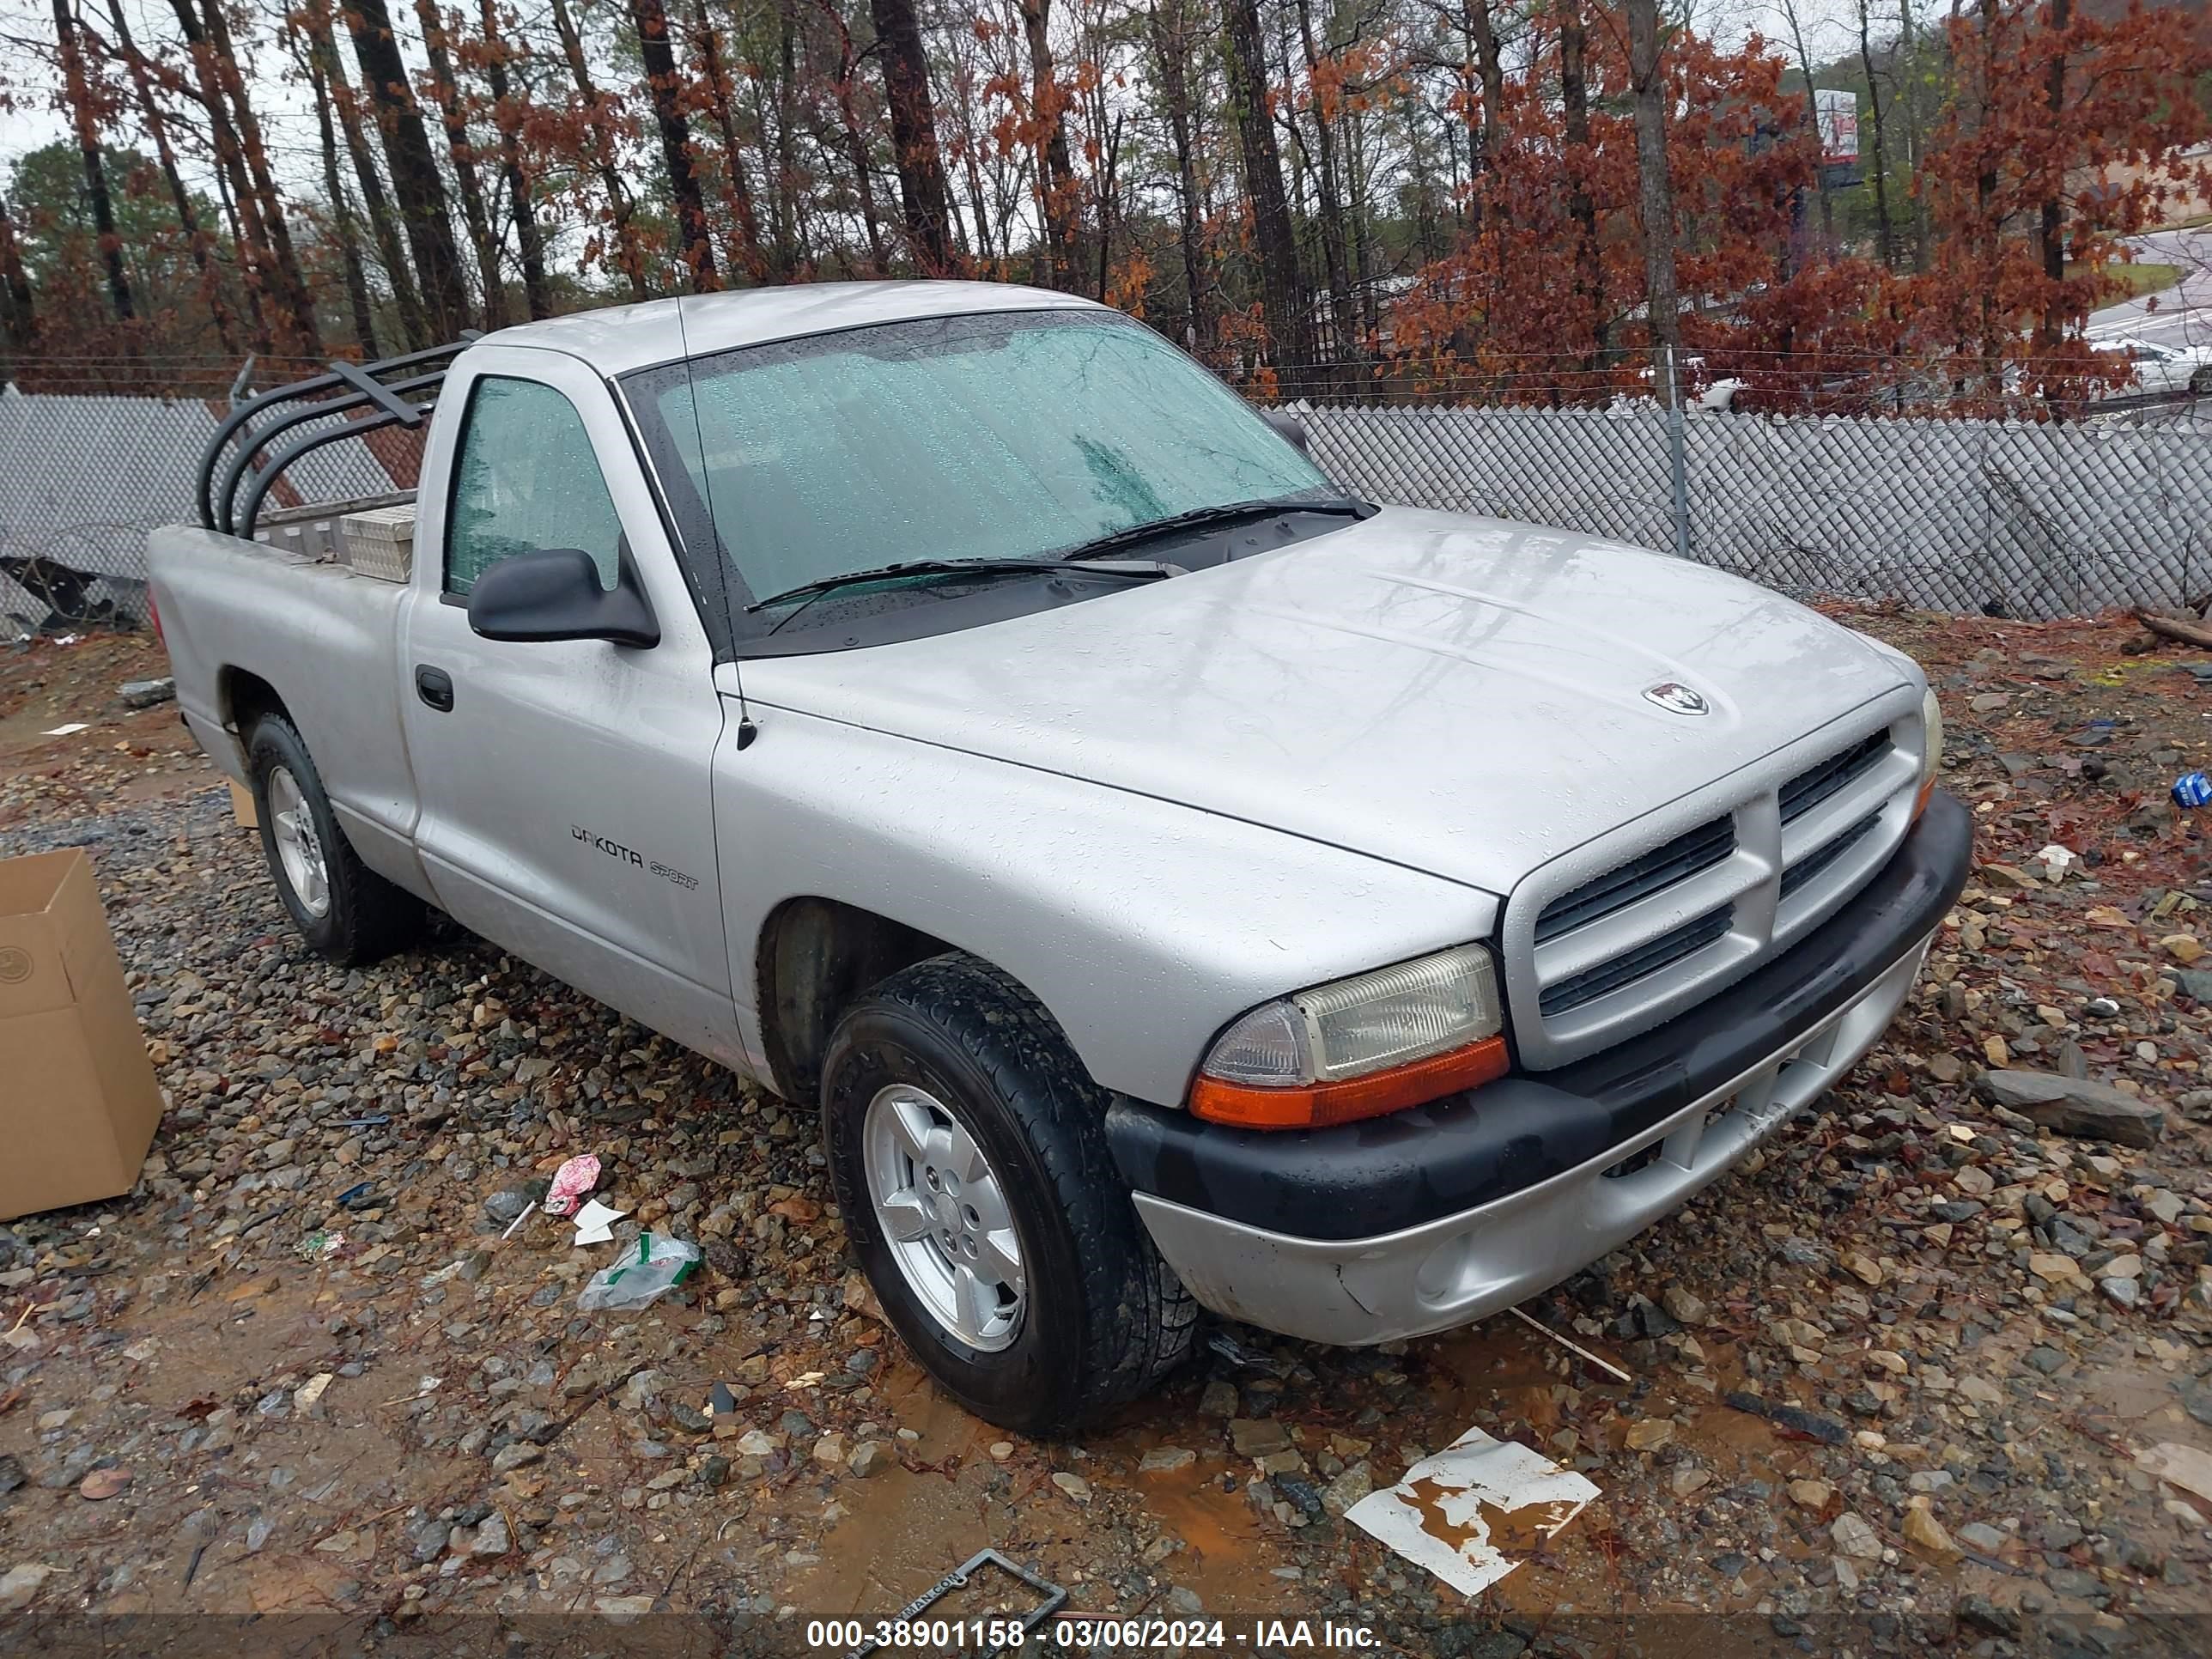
{"x": 1178, "y": 883}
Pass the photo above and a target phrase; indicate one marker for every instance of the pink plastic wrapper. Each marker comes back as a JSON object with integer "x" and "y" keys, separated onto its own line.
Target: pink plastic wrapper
{"x": 570, "y": 1182}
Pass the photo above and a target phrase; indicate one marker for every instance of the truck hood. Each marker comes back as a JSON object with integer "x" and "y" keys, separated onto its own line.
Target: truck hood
{"x": 1462, "y": 696}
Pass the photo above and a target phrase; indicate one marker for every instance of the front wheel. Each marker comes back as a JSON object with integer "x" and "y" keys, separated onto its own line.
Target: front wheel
{"x": 966, "y": 1148}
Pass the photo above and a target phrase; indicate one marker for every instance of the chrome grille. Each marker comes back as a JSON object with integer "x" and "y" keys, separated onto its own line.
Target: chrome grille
{"x": 1597, "y": 949}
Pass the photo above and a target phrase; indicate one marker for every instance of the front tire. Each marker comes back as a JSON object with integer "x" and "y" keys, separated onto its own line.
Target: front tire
{"x": 342, "y": 909}
{"x": 966, "y": 1148}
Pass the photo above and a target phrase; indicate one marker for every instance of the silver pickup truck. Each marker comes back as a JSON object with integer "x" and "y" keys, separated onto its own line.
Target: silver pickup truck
{"x": 1178, "y": 883}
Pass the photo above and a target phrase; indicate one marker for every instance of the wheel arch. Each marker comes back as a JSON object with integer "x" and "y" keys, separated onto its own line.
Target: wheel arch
{"x": 243, "y": 697}
{"x": 815, "y": 956}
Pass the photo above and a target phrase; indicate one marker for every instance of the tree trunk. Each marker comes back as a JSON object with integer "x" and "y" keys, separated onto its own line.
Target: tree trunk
{"x": 1654, "y": 193}
{"x": 383, "y": 230}
{"x": 1574, "y": 102}
{"x": 786, "y": 167}
{"x": 620, "y": 203}
{"x": 913, "y": 135}
{"x": 1813, "y": 110}
{"x": 1989, "y": 228}
{"x": 1171, "y": 53}
{"x": 744, "y": 227}
{"x": 18, "y": 307}
{"x": 257, "y": 321}
{"x": 658, "y": 56}
{"x": 1885, "y": 237}
{"x": 856, "y": 142}
{"x": 1056, "y": 171}
{"x": 1282, "y": 301}
{"x": 1490, "y": 65}
{"x": 2051, "y": 227}
{"x": 506, "y": 112}
{"x": 1329, "y": 189}
{"x": 342, "y": 222}
{"x": 246, "y": 231}
{"x": 157, "y": 129}
{"x": 415, "y": 183}
{"x": 1910, "y": 76}
{"x": 85, "y": 123}
{"x": 464, "y": 157}
{"x": 290, "y": 286}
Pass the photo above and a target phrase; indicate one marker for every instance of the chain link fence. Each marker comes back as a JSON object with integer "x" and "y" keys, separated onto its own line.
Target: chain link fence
{"x": 2009, "y": 517}
{"x": 83, "y": 478}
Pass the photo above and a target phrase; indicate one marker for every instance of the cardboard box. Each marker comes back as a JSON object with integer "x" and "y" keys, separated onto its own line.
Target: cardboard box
{"x": 241, "y": 807}
{"x": 78, "y": 1101}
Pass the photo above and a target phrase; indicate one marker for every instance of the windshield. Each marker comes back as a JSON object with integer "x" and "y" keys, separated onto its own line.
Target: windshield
{"x": 1004, "y": 435}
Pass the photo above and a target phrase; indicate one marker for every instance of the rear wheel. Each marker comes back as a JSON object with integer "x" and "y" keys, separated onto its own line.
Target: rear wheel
{"x": 342, "y": 908}
{"x": 966, "y": 1148}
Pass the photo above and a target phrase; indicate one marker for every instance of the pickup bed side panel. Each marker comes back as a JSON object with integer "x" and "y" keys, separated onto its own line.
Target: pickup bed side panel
{"x": 325, "y": 639}
{"x": 1144, "y": 926}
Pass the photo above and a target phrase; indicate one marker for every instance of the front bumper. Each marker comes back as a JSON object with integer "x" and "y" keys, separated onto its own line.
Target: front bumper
{"x": 1439, "y": 1216}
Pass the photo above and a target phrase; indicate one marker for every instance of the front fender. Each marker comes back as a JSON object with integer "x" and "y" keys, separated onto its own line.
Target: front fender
{"x": 1143, "y": 926}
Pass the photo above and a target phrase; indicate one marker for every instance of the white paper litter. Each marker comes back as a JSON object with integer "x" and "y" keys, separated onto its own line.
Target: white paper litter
{"x": 2056, "y": 860}
{"x": 593, "y": 1222}
{"x": 69, "y": 731}
{"x": 1472, "y": 1513}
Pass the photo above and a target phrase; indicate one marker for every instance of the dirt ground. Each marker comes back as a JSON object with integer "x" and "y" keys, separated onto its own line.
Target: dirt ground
{"x": 1892, "y": 1379}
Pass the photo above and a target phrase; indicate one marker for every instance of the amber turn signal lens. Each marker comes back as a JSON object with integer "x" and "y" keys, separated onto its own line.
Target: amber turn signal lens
{"x": 1920, "y": 800}
{"x": 1317, "y": 1105}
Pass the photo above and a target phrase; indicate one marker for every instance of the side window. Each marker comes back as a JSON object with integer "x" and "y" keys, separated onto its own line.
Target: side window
{"x": 525, "y": 478}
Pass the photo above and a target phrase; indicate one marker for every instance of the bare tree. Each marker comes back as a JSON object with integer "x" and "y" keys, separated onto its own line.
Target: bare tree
{"x": 507, "y": 114}
{"x": 342, "y": 222}
{"x": 1282, "y": 299}
{"x": 599, "y": 120}
{"x": 157, "y": 129}
{"x": 415, "y": 183}
{"x": 921, "y": 165}
{"x": 658, "y": 55}
{"x": 462, "y": 152}
{"x": 383, "y": 230}
{"x": 744, "y": 224}
{"x": 1056, "y": 171}
{"x": 84, "y": 122}
{"x": 1885, "y": 240}
{"x": 1654, "y": 193}
{"x": 1172, "y": 52}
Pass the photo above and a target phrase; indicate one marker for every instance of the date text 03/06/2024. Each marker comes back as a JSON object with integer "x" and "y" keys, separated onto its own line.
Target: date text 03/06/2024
{"x": 1071, "y": 1635}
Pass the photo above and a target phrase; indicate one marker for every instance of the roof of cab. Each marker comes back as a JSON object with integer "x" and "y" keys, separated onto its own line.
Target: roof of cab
{"x": 617, "y": 339}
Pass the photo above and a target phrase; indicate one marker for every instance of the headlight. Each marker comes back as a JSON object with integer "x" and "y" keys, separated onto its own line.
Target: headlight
{"x": 1359, "y": 1046}
{"x": 1931, "y": 758}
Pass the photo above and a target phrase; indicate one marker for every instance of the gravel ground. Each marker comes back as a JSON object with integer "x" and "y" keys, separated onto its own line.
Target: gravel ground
{"x": 1891, "y": 1379}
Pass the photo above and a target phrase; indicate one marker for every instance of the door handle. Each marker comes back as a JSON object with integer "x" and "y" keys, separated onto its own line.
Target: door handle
{"x": 435, "y": 686}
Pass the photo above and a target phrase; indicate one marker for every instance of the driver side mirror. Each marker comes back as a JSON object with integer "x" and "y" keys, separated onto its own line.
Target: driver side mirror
{"x": 1291, "y": 426}
{"x": 554, "y": 594}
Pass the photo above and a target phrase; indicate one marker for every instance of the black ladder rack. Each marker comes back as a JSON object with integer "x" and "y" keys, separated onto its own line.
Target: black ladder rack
{"x": 388, "y": 390}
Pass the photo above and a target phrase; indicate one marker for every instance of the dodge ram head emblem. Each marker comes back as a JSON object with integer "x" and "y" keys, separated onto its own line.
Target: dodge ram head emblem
{"x": 1676, "y": 698}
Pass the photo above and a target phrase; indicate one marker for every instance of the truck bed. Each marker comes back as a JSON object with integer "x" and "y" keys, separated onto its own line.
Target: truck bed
{"x": 240, "y": 615}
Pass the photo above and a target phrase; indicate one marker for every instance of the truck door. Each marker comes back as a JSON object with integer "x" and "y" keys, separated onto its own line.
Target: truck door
{"x": 566, "y": 807}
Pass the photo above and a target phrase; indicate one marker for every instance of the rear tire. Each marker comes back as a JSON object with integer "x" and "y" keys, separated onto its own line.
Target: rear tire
{"x": 1066, "y": 1309}
{"x": 342, "y": 908}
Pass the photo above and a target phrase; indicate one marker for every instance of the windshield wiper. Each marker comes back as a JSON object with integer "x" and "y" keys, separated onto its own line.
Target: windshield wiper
{"x": 1336, "y": 505}
{"x": 810, "y": 591}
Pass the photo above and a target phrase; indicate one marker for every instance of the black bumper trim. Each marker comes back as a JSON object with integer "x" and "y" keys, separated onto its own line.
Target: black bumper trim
{"x": 1419, "y": 1165}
